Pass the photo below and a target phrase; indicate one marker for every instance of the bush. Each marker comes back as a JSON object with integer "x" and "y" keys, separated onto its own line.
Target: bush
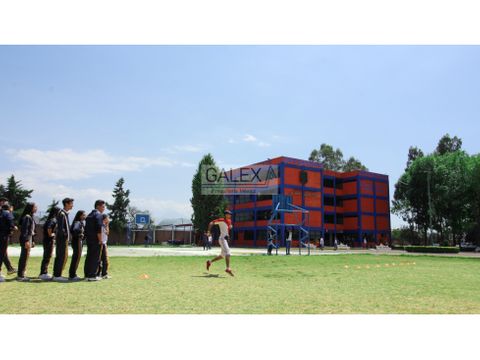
{"x": 433, "y": 249}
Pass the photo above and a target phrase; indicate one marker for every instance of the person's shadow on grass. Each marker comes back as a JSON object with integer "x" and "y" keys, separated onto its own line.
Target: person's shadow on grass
{"x": 209, "y": 276}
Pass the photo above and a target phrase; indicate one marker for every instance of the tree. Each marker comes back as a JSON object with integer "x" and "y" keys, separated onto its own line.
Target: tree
{"x": 413, "y": 154}
{"x": 448, "y": 145}
{"x": 205, "y": 207}
{"x": 332, "y": 159}
{"x": 16, "y": 194}
{"x": 119, "y": 208}
{"x": 436, "y": 191}
{"x": 53, "y": 204}
{"x": 353, "y": 164}
{"x": 474, "y": 194}
{"x": 410, "y": 200}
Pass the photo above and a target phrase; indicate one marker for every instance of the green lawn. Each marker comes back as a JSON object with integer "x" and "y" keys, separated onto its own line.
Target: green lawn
{"x": 264, "y": 285}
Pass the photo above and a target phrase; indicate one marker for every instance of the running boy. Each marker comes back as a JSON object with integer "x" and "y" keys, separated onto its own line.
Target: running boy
{"x": 225, "y": 226}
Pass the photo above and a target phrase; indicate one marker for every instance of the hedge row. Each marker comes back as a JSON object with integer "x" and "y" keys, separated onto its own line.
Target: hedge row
{"x": 433, "y": 249}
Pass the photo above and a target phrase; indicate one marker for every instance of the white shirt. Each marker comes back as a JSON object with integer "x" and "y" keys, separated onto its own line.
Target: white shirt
{"x": 104, "y": 235}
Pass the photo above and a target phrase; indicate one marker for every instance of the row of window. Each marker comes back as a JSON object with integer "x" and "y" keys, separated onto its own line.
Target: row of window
{"x": 243, "y": 199}
{"x": 266, "y": 214}
{"x": 315, "y": 236}
{"x": 252, "y": 216}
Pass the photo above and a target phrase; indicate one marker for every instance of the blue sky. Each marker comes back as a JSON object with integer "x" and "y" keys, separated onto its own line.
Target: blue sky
{"x": 76, "y": 118}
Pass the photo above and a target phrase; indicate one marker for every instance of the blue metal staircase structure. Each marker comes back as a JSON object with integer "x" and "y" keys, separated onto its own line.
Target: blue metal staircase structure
{"x": 284, "y": 204}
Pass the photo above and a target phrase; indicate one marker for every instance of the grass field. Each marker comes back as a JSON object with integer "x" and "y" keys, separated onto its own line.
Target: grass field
{"x": 342, "y": 284}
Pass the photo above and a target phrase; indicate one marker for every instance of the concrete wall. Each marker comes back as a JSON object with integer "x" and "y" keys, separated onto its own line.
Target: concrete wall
{"x": 121, "y": 238}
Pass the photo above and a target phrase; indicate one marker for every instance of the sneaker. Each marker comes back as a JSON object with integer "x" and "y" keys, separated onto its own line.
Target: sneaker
{"x": 209, "y": 263}
{"x": 2, "y": 279}
{"x": 60, "y": 279}
{"x": 229, "y": 272}
{"x": 106, "y": 277}
{"x": 94, "y": 279}
{"x": 23, "y": 279}
{"x": 75, "y": 278}
{"x": 13, "y": 271}
{"x": 45, "y": 277}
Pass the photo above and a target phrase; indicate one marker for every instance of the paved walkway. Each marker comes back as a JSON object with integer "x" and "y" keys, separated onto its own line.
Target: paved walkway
{"x": 114, "y": 251}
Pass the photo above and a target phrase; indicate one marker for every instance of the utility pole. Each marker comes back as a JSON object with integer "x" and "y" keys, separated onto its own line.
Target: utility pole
{"x": 429, "y": 178}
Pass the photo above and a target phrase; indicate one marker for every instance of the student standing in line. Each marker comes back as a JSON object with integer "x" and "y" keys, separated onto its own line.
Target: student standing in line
{"x": 104, "y": 261}
{"x": 270, "y": 244}
{"x": 7, "y": 226}
{"x": 210, "y": 242}
{"x": 93, "y": 234}
{"x": 27, "y": 235}
{"x": 49, "y": 229}
{"x": 8, "y": 209}
{"x": 288, "y": 241}
{"x": 78, "y": 235}
{"x": 62, "y": 238}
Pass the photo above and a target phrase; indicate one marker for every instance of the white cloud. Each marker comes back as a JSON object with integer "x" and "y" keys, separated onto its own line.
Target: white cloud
{"x": 66, "y": 164}
{"x": 252, "y": 139}
{"x": 188, "y": 148}
{"x": 162, "y": 209}
{"x": 249, "y": 138}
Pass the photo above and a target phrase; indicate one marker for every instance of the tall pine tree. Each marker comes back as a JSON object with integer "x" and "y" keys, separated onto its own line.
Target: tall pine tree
{"x": 16, "y": 194}
{"x": 205, "y": 207}
{"x": 119, "y": 208}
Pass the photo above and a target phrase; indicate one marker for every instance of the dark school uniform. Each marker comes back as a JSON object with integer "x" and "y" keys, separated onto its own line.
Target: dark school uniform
{"x": 78, "y": 235}
{"x": 48, "y": 242}
{"x": 104, "y": 260}
{"x": 7, "y": 225}
{"x": 93, "y": 231}
{"x": 27, "y": 233}
{"x": 62, "y": 238}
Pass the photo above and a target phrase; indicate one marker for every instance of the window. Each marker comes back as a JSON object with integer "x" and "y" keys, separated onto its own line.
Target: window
{"x": 242, "y": 199}
{"x": 339, "y": 185}
{"x": 266, "y": 215}
{"x": 262, "y": 235}
{"x": 328, "y": 183}
{"x": 264, "y": 197}
{"x": 339, "y": 202}
{"x": 328, "y": 201}
{"x": 248, "y": 235}
{"x": 244, "y": 216}
{"x": 339, "y": 219}
{"x": 329, "y": 219}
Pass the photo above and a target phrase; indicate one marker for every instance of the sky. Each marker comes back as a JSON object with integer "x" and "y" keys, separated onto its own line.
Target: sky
{"x": 74, "y": 119}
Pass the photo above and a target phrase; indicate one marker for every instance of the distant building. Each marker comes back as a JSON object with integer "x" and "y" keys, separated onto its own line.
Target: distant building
{"x": 350, "y": 206}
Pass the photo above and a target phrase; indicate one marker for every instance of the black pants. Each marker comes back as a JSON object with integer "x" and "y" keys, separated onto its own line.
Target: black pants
{"x": 92, "y": 260}
{"x": 4, "y": 238}
{"x": 103, "y": 268}
{"x": 288, "y": 247}
{"x": 77, "y": 246}
{"x": 270, "y": 248}
{"x": 47, "y": 255}
{"x": 61, "y": 256}
{"x": 22, "y": 263}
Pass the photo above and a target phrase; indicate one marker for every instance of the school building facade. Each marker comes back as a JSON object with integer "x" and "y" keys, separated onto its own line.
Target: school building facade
{"x": 350, "y": 206}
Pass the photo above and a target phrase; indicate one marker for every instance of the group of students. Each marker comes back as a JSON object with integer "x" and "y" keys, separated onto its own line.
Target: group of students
{"x": 58, "y": 233}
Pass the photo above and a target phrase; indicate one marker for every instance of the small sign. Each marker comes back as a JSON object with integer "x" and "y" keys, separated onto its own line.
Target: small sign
{"x": 142, "y": 219}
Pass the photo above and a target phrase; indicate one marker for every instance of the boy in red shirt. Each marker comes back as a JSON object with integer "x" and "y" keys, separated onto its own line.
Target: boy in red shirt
{"x": 224, "y": 226}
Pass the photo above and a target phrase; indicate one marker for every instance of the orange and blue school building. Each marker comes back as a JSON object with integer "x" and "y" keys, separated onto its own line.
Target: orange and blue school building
{"x": 349, "y": 206}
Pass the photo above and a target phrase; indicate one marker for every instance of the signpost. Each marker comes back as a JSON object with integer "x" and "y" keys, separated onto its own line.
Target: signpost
{"x": 142, "y": 219}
